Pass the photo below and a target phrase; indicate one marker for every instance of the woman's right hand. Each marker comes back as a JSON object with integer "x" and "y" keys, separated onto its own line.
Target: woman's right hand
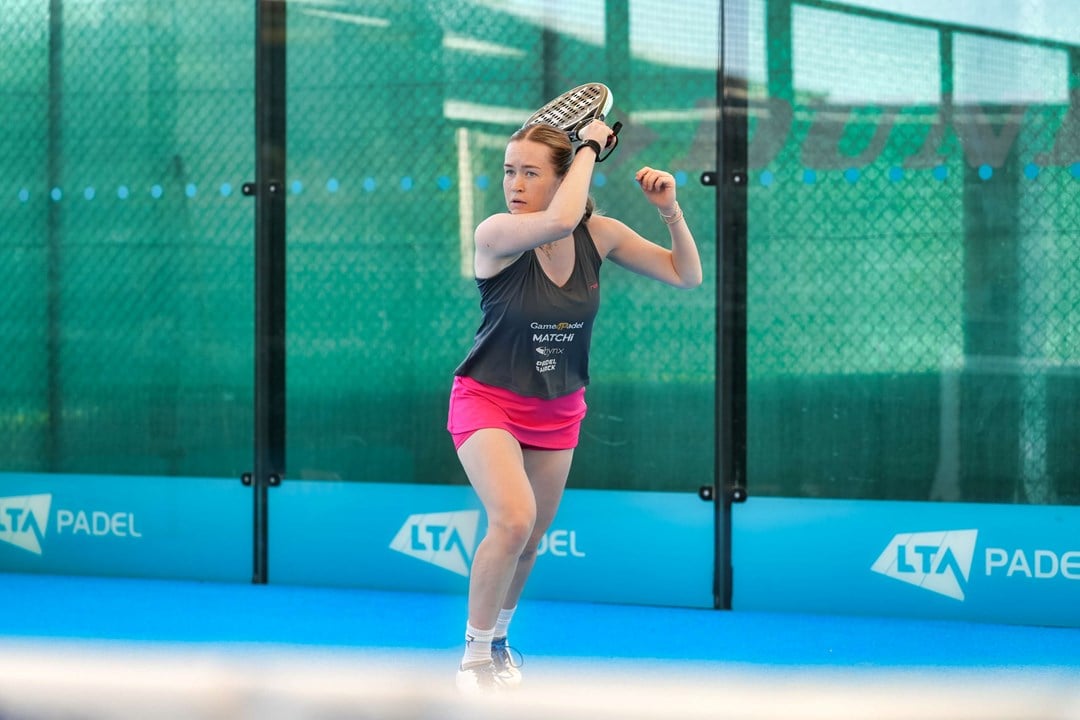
{"x": 598, "y": 131}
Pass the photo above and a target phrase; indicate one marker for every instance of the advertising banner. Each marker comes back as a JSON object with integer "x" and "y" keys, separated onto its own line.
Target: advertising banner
{"x": 156, "y": 527}
{"x": 980, "y": 562}
{"x": 604, "y": 546}
{"x": 997, "y": 563}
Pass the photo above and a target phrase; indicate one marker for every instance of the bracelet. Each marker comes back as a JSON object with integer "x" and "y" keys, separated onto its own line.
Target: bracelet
{"x": 589, "y": 144}
{"x": 673, "y": 217}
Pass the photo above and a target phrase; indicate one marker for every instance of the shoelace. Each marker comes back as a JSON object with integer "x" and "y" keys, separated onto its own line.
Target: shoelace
{"x": 505, "y": 656}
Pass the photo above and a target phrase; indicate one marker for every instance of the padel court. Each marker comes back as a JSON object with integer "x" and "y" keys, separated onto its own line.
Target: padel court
{"x": 839, "y": 479}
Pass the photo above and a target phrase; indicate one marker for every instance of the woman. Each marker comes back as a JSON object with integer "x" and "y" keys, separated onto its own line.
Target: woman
{"x": 518, "y": 398}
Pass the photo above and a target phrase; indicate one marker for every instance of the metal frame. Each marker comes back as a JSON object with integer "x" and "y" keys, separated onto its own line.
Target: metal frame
{"x": 730, "y": 180}
{"x": 268, "y": 189}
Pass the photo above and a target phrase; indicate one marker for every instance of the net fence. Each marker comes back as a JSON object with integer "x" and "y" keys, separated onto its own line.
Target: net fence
{"x": 912, "y": 279}
{"x": 126, "y": 132}
{"x": 912, "y": 273}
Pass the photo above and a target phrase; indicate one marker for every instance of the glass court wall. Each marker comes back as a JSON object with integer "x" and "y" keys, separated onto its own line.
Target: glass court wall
{"x": 913, "y": 291}
{"x": 908, "y": 238}
{"x": 125, "y": 246}
{"x": 127, "y": 134}
{"x": 398, "y": 117}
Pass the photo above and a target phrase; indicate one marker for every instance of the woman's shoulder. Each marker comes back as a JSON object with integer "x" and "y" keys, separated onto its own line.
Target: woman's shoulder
{"x": 606, "y": 232}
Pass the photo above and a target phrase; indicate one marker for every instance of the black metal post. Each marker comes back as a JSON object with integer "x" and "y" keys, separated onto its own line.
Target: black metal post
{"x": 269, "y": 191}
{"x": 731, "y": 180}
{"x": 54, "y": 155}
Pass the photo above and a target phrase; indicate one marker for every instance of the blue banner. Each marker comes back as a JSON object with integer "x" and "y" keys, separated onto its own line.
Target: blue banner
{"x": 158, "y": 527}
{"x": 604, "y": 546}
{"x": 995, "y": 563}
{"x": 1000, "y": 563}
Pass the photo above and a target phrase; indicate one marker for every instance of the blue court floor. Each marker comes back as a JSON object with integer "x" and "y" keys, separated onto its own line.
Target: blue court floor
{"x": 127, "y": 619}
{"x": 37, "y": 606}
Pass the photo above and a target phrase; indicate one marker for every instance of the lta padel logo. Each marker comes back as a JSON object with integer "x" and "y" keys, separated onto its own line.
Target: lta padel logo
{"x": 936, "y": 561}
{"x": 443, "y": 539}
{"x": 24, "y": 520}
{"x": 448, "y": 540}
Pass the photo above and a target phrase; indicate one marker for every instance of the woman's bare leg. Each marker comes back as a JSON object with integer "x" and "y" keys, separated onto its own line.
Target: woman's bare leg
{"x": 547, "y": 471}
{"x": 495, "y": 466}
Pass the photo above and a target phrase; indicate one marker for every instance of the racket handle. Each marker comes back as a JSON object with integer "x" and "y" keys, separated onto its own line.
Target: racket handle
{"x": 614, "y": 138}
{"x": 611, "y": 144}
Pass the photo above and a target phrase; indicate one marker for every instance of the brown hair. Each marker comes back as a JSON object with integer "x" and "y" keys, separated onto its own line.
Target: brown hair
{"x": 562, "y": 152}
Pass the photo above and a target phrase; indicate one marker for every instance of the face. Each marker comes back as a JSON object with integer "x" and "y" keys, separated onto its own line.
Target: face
{"x": 529, "y": 178}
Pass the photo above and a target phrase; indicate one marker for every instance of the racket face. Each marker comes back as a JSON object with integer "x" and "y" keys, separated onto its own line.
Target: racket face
{"x": 574, "y": 108}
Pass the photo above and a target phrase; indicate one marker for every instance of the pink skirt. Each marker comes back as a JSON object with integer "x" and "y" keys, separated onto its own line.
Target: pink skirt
{"x": 535, "y": 423}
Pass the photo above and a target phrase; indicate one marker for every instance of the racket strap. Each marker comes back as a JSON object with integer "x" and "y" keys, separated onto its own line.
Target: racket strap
{"x": 613, "y": 142}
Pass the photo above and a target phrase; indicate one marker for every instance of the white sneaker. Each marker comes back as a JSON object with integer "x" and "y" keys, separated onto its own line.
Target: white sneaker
{"x": 478, "y": 680}
{"x": 507, "y": 662}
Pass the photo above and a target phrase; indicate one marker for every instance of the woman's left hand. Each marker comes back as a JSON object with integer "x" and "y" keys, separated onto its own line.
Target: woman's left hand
{"x": 658, "y": 186}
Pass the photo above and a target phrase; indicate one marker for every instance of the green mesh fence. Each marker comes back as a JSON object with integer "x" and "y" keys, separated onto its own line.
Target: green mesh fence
{"x": 404, "y": 117}
{"x": 912, "y": 252}
{"x": 125, "y": 262}
{"x": 913, "y": 259}
{"x": 126, "y": 130}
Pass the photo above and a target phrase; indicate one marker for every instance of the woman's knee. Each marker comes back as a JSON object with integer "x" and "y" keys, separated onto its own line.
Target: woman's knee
{"x": 513, "y": 528}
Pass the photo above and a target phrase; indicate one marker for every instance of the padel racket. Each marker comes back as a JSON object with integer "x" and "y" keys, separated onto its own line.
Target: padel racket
{"x": 576, "y": 108}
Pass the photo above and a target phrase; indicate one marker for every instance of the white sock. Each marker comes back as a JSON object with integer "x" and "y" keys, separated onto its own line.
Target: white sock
{"x": 477, "y": 646}
{"x": 502, "y": 625}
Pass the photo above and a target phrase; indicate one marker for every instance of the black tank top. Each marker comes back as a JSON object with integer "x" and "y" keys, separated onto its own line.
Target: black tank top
{"x": 534, "y": 337}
